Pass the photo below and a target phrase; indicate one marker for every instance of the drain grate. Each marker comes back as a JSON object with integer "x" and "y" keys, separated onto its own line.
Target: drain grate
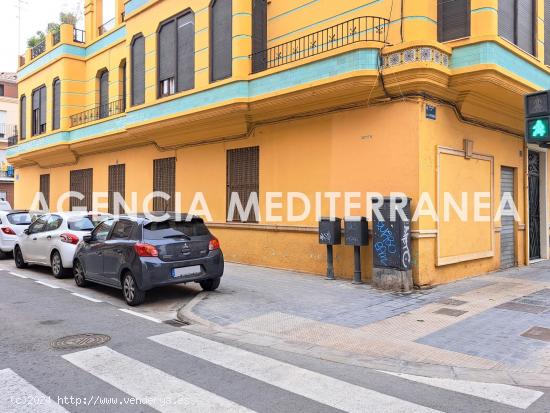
{"x": 176, "y": 323}
{"x": 77, "y": 341}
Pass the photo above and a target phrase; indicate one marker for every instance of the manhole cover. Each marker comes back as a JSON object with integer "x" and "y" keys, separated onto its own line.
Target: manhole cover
{"x": 80, "y": 341}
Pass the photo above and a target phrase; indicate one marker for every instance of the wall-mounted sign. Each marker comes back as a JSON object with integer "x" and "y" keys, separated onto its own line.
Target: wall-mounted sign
{"x": 431, "y": 112}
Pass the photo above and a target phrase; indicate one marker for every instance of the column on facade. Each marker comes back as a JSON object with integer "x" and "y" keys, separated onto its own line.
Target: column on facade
{"x": 242, "y": 38}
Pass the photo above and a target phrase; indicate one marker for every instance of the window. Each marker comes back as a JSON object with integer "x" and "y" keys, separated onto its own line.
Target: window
{"x": 164, "y": 180}
{"x": 103, "y": 94}
{"x": 259, "y": 35}
{"x": 122, "y": 77}
{"x": 3, "y": 127}
{"x": 2, "y": 90}
{"x": 138, "y": 70}
{"x": 54, "y": 222}
{"x": 23, "y": 117}
{"x": 176, "y": 54}
{"x": 39, "y": 225}
{"x": 453, "y": 19}
{"x": 19, "y": 218}
{"x": 117, "y": 176}
{"x": 39, "y": 111}
{"x": 102, "y": 230}
{"x": 221, "y": 39}
{"x": 516, "y": 23}
{"x": 123, "y": 230}
{"x": 81, "y": 182}
{"x": 243, "y": 178}
{"x": 56, "y": 104}
{"x": 45, "y": 189}
{"x": 85, "y": 223}
{"x": 174, "y": 229}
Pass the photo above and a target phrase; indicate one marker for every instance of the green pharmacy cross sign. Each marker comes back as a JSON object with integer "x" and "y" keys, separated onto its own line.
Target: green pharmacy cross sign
{"x": 537, "y": 118}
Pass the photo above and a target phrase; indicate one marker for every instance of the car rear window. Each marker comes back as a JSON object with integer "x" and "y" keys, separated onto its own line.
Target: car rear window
{"x": 86, "y": 223}
{"x": 19, "y": 218}
{"x": 174, "y": 229}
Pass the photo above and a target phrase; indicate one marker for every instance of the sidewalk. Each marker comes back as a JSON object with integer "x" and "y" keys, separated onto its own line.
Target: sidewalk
{"x": 488, "y": 328}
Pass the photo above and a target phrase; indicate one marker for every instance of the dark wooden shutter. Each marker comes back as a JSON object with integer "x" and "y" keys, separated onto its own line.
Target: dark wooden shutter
{"x": 104, "y": 94}
{"x": 259, "y": 35}
{"x": 507, "y": 19}
{"x": 43, "y": 106}
{"x": 123, "y": 97}
{"x": 453, "y": 19}
{"x": 82, "y": 181}
{"x": 56, "y": 104}
{"x": 138, "y": 71}
{"x": 526, "y": 25}
{"x": 186, "y": 52}
{"x": 243, "y": 177}
{"x": 117, "y": 178}
{"x": 35, "y": 109}
{"x": 45, "y": 188}
{"x": 164, "y": 180}
{"x": 167, "y": 51}
{"x": 547, "y": 32}
{"x": 221, "y": 39}
{"x": 23, "y": 117}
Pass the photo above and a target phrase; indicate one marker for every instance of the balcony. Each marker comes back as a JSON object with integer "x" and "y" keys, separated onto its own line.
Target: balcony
{"x": 56, "y": 37}
{"x": 360, "y": 29}
{"x": 8, "y": 131}
{"x": 38, "y": 49}
{"x": 106, "y": 27}
{"x": 79, "y": 36}
{"x": 115, "y": 107}
{"x": 66, "y": 34}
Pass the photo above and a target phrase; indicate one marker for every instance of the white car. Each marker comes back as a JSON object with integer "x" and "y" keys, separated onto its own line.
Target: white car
{"x": 51, "y": 240}
{"x": 12, "y": 224}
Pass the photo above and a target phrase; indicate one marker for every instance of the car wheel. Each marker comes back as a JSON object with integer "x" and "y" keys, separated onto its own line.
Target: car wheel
{"x": 18, "y": 257}
{"x": 132, "y": 293}
{"x": 57, "y": 265}
{"x": 210, "y": 285}
{"x": 79, "y": 277}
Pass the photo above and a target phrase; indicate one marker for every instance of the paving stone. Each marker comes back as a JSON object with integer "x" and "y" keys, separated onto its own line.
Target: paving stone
{"x": 450, "y": 312}
{"x": 524, "y": 308}
{"x": 452, "y": 301}
{"x": 538, "y": 333}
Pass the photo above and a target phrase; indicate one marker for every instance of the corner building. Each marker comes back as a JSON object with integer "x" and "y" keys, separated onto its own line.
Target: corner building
{"x": 307, "y": 96}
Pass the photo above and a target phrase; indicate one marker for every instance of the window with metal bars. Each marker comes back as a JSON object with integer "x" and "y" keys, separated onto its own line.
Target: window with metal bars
{"x": 117, "y": 185}
{"x": 243, "y": 178}
{"x": 82, "y": 182}
{"x": 164, "y": 180}
{"x": 45, "y": 189}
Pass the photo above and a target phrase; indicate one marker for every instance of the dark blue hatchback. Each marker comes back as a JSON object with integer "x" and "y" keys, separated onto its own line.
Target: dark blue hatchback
{"x": 136, "y": 254}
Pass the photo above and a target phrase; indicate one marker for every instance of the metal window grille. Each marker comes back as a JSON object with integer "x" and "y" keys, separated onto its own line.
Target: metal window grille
{"x": 82, "y": 182}
{"x": 117, "y": 180}
{"x": 164, "y": 180}
{"x": 45, "y": 188}
{"x": 243, "y": 170}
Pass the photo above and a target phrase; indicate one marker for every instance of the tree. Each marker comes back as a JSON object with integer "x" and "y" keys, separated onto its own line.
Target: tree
{"x": 68, "y": 18}
{"x": 53, "y": 27}
{"x": 35, "y": 40}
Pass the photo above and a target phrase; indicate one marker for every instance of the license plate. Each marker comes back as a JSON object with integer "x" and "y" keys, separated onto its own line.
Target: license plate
{"x": 185, "y": 271}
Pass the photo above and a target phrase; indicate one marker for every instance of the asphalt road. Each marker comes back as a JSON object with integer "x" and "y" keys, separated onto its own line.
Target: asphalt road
{"x": 152, "y": 366}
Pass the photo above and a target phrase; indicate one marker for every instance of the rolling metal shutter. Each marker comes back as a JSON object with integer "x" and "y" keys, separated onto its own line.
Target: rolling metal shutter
{"x": 507, "y": 233}
{"x": 186, "y": 52}
{"x": 35, "y": 114}
{"x": 243, "y": 170}
{"x": 453, "y": 19}
{"x": 23, "y": 117}
{"x": 138, "y": 71}
{"x": 82, "y": 181}
{"x": 56, "y": 104}
{"x": 45, "y": 188}
{"x": 43, "y": 106}
{"x": 259, "y": 35}
{"x": 117, "y": 178}
{"x": 507, "y": 19}
{"x": 221, "y": 39}
{"x": 104, "y": 94}
{"x": 525, "y": 25}
{"x": 167, "y": 51}
{"x": 164, "y": 180}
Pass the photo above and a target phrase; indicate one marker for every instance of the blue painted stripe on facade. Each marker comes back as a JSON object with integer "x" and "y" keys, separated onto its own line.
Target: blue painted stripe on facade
{"x": 483, "y": 9}
{"x": 133, "y": 5}
{"x": 493, "y": 53}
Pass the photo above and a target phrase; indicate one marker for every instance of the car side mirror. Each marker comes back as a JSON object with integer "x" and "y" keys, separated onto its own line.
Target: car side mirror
{"x": 26, "y": 231}
{"x": 88, "y": 238}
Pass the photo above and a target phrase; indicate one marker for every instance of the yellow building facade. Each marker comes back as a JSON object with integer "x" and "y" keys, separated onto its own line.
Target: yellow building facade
{"x": 354, "y": 96}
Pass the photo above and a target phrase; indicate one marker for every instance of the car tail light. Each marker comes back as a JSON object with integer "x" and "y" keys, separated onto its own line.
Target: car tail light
{"x": 69, "y": 238}
{"x": 214, "y": 244}
{"x": 146, "y": 250}
{"x": 8, "y": 230}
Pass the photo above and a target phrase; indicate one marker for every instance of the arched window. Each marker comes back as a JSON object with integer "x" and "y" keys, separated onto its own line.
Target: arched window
{"x": 103, "y": 94}
{"x": 138, "y": 70}
{"x": 23, "y": 117}
{"x": 259, "y": 35}
{"x": 56, "y": 107}
{"x": 176, "y": 54}
{"x": 122, "y": 84}
{"x": 221, "y": 39}
{"x": 39, "y": 110}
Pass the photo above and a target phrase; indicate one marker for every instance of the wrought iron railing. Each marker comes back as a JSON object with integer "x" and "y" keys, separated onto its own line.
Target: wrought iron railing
{"x": 99, "y": 112}
{"x": 360, "y": 29}
{"x": 79, "y": 36}
{"x": 12, "y": 140}
{"x": 38, "y": 49}
{"x": 56, "y": 37}
{"x": 7, "y": 131}
{"x": 105, "y": 27}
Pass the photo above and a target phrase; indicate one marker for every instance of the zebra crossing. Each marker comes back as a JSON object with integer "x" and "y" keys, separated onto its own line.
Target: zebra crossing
{"x": 165, "y": 392}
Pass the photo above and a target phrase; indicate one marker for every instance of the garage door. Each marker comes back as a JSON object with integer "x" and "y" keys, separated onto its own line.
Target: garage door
{"x": 507, "y": 235}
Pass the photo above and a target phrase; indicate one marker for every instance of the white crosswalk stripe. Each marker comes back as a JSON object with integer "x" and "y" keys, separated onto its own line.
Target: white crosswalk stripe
{"x": 500, "y": 393}
{"x": 327, "y": 390}
{"x": 149, "y": 385}
{"x": 18, "y": 395}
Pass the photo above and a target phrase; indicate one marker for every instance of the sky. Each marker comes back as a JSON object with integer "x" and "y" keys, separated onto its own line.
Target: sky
{"x": 35, "y": 15}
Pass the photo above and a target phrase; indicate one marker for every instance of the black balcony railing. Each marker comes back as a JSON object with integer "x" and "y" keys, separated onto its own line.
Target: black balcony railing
{"x": 105, "y": 27}
{"x": 79, "y": 36}
{"x": 8, "y": 131}
{"x": 12, "y": 140}
{"x": 360, "y": 29}
{"x": 38, "y": 49}
{"x": 56, "y": 37}
{"x": 99, "y": 112}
